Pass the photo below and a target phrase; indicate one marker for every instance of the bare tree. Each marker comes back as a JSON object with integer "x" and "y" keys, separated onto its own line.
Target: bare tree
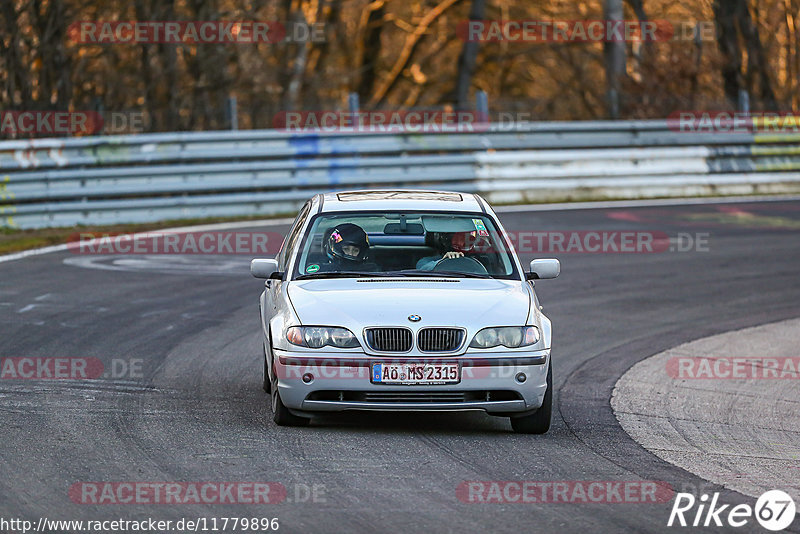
{"x": 407, "y": 51}
{"x": 467, "y": 59}
{"x": 792, "y": 52}
{"x": 17, "y": 83}
{"x": 369, "y": 48}
{"x": 615, "y": 59}
{"x": 734, "y": 20}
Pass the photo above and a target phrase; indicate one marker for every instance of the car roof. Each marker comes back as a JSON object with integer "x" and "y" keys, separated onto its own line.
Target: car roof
{"x": 402, "y": 200}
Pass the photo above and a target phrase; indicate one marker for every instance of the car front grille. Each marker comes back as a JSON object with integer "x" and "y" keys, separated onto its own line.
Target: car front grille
{"x": 389, "y": 339}
{"x": 440, "y": 339}
{"x": 415, "y": 396}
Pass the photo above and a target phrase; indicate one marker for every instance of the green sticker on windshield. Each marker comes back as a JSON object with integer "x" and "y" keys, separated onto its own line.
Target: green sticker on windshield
{"x": 312, "y": 268}
{"x": 480, "y": 227}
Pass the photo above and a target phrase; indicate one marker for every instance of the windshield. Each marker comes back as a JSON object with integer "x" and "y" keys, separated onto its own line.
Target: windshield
{"x": 462, "y": 245}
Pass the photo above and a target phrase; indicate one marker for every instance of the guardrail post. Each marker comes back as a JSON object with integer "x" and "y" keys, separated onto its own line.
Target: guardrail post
{"x": 744, "y": 101}
{"x": 352, "y": 103}
{"x": 482, "y": 105}
{"x": 233, "y": 113}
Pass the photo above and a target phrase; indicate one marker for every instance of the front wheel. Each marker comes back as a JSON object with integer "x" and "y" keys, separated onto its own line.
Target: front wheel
{"x": 267, "y": 384}
{"x": 539, "y": 421}
{"x": 281, "y": 414}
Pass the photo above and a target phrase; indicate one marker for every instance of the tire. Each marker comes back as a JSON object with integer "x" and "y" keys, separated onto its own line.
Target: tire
{"x": 539, "y": 421}
{"x": 267, "y": 384}
{"x": 281, "y": 414}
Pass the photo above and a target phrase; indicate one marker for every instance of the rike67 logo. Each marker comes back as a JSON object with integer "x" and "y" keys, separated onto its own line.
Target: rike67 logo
{"x": 774, "y": 510}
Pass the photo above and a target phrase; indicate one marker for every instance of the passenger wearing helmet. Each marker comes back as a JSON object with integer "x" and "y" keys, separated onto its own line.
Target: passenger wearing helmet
{"x": 347, "y": 249}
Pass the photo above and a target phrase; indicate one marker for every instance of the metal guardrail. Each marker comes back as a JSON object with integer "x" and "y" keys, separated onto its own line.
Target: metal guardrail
{"x": 108, "y": 180}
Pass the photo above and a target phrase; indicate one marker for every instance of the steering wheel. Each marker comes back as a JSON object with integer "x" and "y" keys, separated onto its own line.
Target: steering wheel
{"x": 463, "y": 264}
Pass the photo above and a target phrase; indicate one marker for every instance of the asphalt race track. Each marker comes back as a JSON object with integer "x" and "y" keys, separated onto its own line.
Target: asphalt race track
{"x": 182, "y": 336}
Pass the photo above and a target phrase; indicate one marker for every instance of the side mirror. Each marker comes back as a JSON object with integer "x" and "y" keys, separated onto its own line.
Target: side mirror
{"x": 263, "y": 268}
{"x": 544, "y": 269}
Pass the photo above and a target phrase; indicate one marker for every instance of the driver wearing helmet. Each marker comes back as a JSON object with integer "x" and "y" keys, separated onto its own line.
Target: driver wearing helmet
{"x": 347, "y": 249}
{"x": 461, "y": 242}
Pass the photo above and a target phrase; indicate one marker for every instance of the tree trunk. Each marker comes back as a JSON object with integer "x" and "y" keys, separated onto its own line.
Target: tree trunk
{"x": 733, "y": 18}
{"x": 291, "y": 98}
{"x": 727, "y": 40}
{"x": 757, "y": 65}
{"x": 642, "y": 52}
{"x": 468, "y": 59}
{"x": 407, "y": 52}
{"x": 370, "y": 49}
{"x": 17, "y": 81}
{"x": 615, "y": 60}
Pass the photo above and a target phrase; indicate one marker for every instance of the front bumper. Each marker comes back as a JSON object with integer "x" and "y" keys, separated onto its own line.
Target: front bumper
{"x": 489, "y": 382}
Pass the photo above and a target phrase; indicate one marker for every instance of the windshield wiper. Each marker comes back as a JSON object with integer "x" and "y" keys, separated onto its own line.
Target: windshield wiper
{"x": 438, "y": 274}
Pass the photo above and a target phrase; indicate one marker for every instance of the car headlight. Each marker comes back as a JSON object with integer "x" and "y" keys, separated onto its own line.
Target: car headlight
{"x": 509, "y": 336}
{"x": 316, "y": 337}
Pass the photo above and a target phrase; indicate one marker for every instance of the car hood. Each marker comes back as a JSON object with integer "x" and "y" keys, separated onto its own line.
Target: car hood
{"x": 359, "y": 302}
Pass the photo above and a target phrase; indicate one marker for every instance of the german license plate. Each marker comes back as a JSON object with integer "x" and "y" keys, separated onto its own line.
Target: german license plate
{"x": 416, "y": 373}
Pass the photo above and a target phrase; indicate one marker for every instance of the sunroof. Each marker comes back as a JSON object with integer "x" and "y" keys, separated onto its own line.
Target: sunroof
{"x": 399, "y": 195}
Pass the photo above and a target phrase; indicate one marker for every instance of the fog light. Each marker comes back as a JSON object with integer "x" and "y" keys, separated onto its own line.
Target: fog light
{"x": 521, "y": 377}
{"x": 308, "y": 378}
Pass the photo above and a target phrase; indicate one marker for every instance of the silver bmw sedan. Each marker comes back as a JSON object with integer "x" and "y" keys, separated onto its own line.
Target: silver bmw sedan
{"x": 404, "y": 300}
